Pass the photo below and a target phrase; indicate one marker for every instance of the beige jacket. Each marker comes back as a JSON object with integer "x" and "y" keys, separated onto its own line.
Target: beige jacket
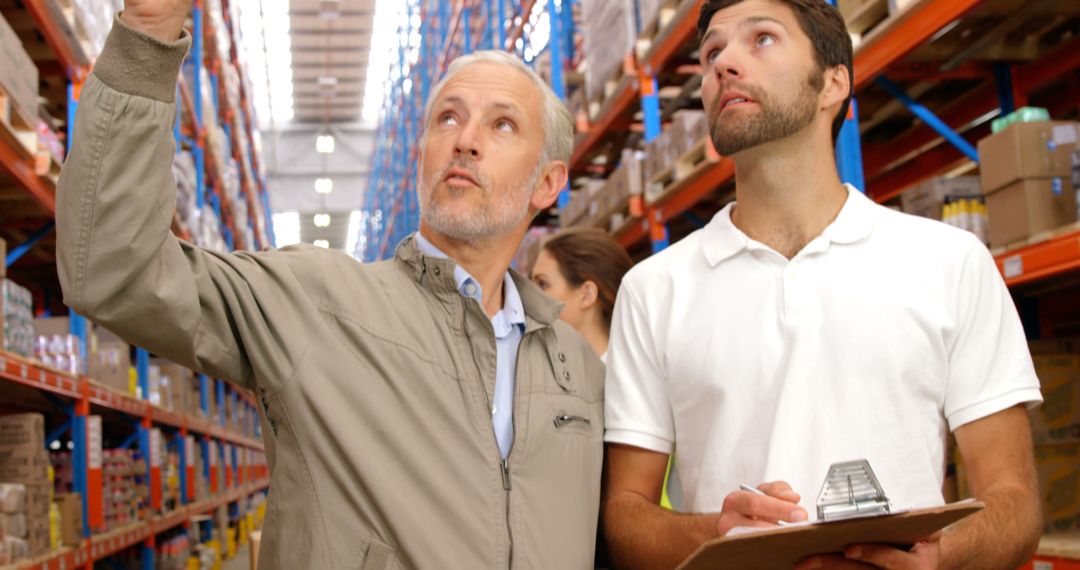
{"x": 376, "y": 378}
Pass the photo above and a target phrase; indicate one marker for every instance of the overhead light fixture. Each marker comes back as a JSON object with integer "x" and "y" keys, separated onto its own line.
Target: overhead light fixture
{"x": 321, "y": 243}
{"x": 322, "y": 220}
{"x": 324, "y": 185}
{"x": 324, "y": 144}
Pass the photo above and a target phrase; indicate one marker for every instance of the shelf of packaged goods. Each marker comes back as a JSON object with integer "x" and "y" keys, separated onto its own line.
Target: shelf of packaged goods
{"x": 1054, "y": 256}
{"x": 20, "y": 370}
{"x": 895, "y": 37}
{"x": 101, "y": 546}
{"x": 680, "y": 199}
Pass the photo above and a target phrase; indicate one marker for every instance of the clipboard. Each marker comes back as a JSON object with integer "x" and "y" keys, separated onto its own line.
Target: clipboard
{"x": 781, "y": 547}
{"x": 852, "y": 509}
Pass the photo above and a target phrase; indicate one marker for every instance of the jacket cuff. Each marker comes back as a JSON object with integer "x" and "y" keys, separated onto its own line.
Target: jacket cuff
{"x": 137, "y": 64}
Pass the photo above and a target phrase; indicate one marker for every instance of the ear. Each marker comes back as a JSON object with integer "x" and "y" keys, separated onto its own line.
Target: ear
{"x": 550, "y": 184}
{"x": 589, "y": 295}
{"x": 837, "y": 87}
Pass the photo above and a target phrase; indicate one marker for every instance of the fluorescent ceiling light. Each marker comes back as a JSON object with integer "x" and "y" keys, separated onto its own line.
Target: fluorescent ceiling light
{"x": 286, "y": 229}
{"x": 322, "y": 220}
{"x": 321, "y": 243}
{"x": 325, "y": 144}
{"x": 352, "y": 234}
{"x": 324, "y": 185}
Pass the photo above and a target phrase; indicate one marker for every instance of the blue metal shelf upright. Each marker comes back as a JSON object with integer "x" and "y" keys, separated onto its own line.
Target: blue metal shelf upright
{"x": 443, "y": 31}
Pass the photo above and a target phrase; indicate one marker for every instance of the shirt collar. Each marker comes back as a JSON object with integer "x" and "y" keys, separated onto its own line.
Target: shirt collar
{"x": 468, "y": 286}
{"x": 723, "y": 240}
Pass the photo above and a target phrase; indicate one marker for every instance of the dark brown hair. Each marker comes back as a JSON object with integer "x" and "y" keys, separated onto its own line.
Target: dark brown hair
{"x": 825, "y": 27}
{"x": 591, "y": 254}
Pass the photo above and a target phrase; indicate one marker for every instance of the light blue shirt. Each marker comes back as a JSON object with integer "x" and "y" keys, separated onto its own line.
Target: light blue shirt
{"x": 509, "y": 325}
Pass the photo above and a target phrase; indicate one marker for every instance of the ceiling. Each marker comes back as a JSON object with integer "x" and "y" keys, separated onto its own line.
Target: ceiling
{"x": 330, "y": 45}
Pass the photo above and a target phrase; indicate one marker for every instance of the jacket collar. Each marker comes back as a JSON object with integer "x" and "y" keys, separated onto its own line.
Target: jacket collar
{"x": 437, "y": 275}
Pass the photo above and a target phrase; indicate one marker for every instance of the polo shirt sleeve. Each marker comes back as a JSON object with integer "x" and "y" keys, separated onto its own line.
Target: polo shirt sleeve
{"x": 990, "y": 367}
{"x": 636, "y": 402}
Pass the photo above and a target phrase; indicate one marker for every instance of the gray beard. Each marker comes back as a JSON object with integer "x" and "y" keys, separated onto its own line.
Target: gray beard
{"x": 491, "y": 220}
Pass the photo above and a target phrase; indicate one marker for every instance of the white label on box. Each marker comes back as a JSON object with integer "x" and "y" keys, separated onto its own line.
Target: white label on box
{"x": 1043, "y": 565}
{"x": 93, "y": 441}
{"x": 213, "y": 454}
{"x": 1064, "y": 134}
{"x": 189, "y": 451}
{"x": 1014, "y": 266}
{"x": 155, "y": 447}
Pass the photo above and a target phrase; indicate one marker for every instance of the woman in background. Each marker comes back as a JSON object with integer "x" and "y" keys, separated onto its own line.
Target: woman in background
{"x": 582, "y": 268}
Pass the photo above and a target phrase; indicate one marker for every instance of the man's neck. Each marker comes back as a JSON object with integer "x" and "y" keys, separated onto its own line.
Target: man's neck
{"x": 787, "y": 192}
{"x": 486, "y": 261}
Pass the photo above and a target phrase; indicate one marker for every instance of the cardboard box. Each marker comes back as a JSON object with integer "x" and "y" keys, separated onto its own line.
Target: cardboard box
{"x": 18, "y": 76}
{"x": 1026, "y": 150}
{"x": 1057, "y": 420}
{"x": 928, "y": 198}
{"x": 1029, "y": 206}
{"x": 71, "y": 530}
{"x": 111, "y": 365}
{"x": 1058, "y": 468}
{"x": 3, "y": 274}
{"x": 23, "y": 433}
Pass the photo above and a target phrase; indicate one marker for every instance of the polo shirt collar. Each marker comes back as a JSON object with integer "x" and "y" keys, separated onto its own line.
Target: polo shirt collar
{"x": 722, "y": 239}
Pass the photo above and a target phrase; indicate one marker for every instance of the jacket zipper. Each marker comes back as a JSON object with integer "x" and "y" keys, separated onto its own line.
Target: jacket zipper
{"x": 563, "y": 420}
{"x": 504, "y": 463}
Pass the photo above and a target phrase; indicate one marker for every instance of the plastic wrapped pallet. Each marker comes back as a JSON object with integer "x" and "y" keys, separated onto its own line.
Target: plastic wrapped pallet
{"x": 16, "y": 548}
{"x": 18, "y": 320}
{"x": 609, "y": 37}
{"x": 13, "y": 524}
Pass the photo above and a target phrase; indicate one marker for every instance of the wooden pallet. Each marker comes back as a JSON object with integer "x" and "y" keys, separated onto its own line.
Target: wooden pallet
{"x": 651, "y": 31}
{"x": 19, "y": 132}
{"x": 688, "y": 166}
{"x": 630, "y": 211}
{"x": 1036, "y": 239}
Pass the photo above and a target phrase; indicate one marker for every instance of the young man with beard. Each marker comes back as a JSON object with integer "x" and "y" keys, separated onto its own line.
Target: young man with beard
{"x": 806, "y": 325}
{"x": 424, "y": 412}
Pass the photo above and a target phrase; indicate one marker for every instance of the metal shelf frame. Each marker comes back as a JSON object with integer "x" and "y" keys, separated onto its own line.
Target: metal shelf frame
{"x": 446, "y": 30}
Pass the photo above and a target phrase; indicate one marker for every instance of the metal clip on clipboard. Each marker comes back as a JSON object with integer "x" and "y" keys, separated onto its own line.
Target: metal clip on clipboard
{"x": 851, "y": 490}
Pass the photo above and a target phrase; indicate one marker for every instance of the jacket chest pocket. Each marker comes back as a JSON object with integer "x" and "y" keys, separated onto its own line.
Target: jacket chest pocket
{"x": 571, "y": 416}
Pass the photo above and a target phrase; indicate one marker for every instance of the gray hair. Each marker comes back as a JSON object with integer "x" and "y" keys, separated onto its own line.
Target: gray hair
{"x": 558, "y": 123}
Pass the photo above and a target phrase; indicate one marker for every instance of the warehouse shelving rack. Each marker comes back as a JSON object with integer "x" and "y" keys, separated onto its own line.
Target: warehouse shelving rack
{"x": 233, "y": 460}
{"x": 445, "y": 30}
{"x": 889, "y": 166}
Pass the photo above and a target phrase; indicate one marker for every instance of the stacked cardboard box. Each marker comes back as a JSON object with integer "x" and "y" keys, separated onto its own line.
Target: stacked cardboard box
{"x": 71, "y": 510}
{"x": 928, "y": 198}
{"x": 609, "y": 37}
{"x": 19, "y": 81}
{"x": 23, "y": 460}
{"x": 1025, "y": 171}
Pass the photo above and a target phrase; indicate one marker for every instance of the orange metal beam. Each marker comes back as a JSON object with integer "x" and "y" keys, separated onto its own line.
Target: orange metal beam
{"x": 611, "y": 120}
{"x": 1040, "y": 261}
{"x": 1030, "y": 77}
{"x": 911, "y": 30}
{"x": 23, "y": 171}
{"x": 56, "y": 39}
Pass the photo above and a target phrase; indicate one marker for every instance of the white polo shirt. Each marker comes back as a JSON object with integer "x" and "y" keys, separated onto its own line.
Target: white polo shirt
{"x": 881, "y": 334}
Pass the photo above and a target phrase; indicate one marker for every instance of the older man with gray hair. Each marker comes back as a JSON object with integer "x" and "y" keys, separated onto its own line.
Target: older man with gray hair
{"x": 424, "y": 412}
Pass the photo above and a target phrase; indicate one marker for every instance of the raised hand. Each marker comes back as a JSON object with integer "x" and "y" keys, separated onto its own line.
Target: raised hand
{"x": 162, "y": 19}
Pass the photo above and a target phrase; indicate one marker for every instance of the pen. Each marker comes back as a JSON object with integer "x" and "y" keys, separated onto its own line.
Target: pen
{"x": 757, "y": 491}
